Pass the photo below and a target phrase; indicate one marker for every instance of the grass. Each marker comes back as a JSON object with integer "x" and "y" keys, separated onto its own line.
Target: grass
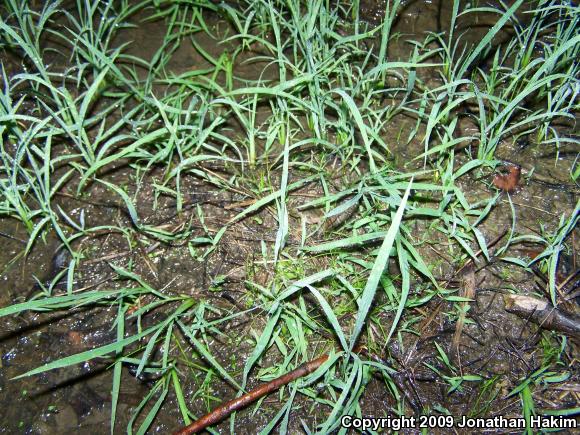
{"x": 325, "y": 87}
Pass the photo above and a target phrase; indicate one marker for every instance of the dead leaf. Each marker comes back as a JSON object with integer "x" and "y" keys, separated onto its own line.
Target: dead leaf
{"x": 508, "y": 180}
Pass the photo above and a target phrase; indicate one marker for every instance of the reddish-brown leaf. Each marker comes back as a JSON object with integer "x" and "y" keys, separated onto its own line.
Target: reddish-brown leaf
{"x": 508, "y": 180}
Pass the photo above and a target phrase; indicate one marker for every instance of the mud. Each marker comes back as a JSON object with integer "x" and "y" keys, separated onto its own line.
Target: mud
{"x": 494, "y": 344}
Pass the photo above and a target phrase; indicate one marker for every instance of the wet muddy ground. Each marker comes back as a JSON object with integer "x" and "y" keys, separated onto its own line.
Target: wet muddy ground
{"x": 501, "y": 347}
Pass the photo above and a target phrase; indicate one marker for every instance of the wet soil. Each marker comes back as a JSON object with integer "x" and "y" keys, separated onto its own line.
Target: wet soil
{"x": 494, "y": 344}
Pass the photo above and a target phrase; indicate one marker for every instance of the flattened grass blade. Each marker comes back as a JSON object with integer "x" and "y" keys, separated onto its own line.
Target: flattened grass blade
{"x": 370, "y": 289}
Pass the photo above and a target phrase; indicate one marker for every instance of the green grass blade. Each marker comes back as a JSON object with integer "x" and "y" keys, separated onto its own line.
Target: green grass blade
{"x": 405, "y": 286}
{"x": 330, "y": 316}
{"x": 368, "y": 294}
{"x": 208, "y": 356}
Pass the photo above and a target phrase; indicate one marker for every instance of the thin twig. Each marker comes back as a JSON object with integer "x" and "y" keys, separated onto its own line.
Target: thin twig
{"x": 225, "y": 409}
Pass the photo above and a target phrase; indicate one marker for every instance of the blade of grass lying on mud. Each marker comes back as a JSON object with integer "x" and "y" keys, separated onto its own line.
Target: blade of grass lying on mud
{"x": 163, "y": 385}
{"x": 117, "y": 367}
{"x": 405, "y": 285}
{"x": 347, "y": 242}
{"x": 180, "y": 397}
{"x": 561, "y": 412}
{"x": 269, "y": 198}
{"x": 59, "y": 302}
{"x": 370, "y": 289}
{"x": 103, "y": 161}
{"x": 149, "y": 349}
{"x": 528, "y": 408}
{"x": 282, "y": 232}
{"x": 330, "y": 315}
{"x": 208, "y": 356}
{"x": 304, "y": 282}
{"x": 262, "y": 343}
{"x": 394, "y": 65}
{"x": 107, "y": 349}
{"x": 154, "y": 410}
{"x": 284, "y": 411}
{"x": 274, "y": 315}
{"x": 353, "y": 378}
